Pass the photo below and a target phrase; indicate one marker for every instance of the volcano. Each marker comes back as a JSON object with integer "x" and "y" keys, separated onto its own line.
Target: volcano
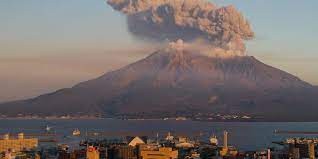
{"x": 177, "y": 81}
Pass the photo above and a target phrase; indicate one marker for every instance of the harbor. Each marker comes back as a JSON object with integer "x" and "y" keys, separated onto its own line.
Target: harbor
{"x": 102, "y": 145}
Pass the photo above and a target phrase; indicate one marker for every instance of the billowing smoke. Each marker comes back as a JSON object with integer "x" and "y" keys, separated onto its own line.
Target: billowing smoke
{"x": 222, "y": 28}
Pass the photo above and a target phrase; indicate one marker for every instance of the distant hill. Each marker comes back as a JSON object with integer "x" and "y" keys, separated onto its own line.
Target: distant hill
{"x": 172, "y": 82}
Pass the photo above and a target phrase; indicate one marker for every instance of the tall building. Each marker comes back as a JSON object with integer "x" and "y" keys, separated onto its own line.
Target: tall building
{"x": 17, "y": 144}
{"x": 161, "y": 153}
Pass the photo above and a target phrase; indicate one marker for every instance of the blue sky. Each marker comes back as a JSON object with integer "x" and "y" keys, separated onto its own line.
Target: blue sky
{"x": 286, "y": 38}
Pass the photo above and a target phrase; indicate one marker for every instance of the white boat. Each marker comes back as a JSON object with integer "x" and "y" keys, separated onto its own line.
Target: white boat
{"x": 76, "y": 132}
{"x": 47, "y": 128}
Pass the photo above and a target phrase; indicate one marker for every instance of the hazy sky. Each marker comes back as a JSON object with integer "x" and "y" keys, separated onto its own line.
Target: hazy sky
{"x": 50, "y": 44}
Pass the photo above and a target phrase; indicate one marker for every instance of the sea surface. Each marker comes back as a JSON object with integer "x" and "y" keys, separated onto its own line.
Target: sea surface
{"x": 243, "y": 135}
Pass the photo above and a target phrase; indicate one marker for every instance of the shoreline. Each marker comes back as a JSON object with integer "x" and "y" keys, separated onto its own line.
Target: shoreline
{"x": 165, "y": 120}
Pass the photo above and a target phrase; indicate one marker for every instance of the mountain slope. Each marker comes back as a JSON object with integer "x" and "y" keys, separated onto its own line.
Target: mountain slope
{"x": 170, "y": 81}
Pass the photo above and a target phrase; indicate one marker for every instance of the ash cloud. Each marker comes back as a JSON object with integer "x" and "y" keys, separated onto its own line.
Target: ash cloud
{"x": 222, "y": 28}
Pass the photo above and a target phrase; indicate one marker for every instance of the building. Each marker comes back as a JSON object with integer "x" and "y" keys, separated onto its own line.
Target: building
{"x": 208, "y": 152}
{"x": 302, "y": 149}
{"x": 122, "y": 152}
{"x": 214, "y": 141}
{"x": 92, "y": 153}
{"x": 17, "y": 144}
{"x": 184, "y": 143}
{"x": 161, "y": 153}
{"x": 134, "y": 141}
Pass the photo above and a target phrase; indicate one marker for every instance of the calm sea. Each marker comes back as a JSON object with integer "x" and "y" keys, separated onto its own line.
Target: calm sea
{"x": 244, "y": 135}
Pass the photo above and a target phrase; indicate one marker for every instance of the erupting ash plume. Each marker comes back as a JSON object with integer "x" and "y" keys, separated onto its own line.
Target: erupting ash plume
{"x": 222, "y": 28}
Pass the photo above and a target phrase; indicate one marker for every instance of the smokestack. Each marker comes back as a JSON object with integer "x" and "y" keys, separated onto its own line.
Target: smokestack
{"x": 225, "y": 134}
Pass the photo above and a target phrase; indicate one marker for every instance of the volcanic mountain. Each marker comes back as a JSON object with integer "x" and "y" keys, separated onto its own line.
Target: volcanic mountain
{"x": 176, "y": 81}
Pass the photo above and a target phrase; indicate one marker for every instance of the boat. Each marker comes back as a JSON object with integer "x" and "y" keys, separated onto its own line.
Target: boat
{"x": 47, "y": 128}
{"x": 76, "y": 132}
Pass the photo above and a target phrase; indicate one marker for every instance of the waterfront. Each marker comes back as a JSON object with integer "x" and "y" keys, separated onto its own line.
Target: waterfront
{"x": 244, "y": 135}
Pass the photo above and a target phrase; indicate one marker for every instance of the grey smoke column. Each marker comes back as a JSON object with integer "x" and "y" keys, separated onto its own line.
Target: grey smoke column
{"x": 224, "y": 28}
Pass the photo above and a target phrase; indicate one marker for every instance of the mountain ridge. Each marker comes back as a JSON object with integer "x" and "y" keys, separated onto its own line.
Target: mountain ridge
{"x": 181, "y": 81}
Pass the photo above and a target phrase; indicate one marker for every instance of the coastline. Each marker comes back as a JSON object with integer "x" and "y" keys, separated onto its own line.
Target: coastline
{"x": 167, "y": 120}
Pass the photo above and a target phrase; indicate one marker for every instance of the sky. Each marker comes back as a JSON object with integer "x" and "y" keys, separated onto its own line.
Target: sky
{"x": 46, "y": 45}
